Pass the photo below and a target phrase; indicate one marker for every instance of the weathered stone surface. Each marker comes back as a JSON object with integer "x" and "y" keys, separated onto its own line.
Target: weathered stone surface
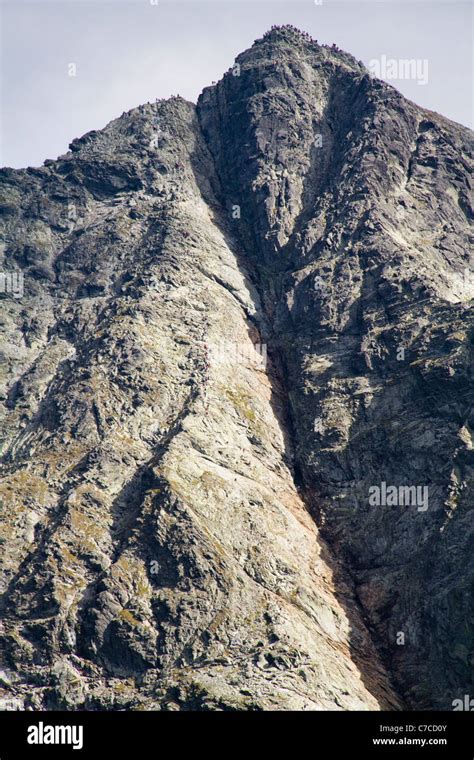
{"x": 184, "y": 525}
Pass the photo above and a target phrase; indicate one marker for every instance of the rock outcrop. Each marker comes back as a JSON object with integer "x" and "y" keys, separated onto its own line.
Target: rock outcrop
{"x": 239, "y": 319}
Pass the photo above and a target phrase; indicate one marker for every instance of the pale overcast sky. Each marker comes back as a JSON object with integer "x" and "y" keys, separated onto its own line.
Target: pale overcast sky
{"x": 128, "y": 52}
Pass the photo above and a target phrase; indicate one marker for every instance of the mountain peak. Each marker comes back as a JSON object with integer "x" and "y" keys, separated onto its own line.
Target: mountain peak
{"x": 292, "y": 43}
{"x": 287, "y": 32}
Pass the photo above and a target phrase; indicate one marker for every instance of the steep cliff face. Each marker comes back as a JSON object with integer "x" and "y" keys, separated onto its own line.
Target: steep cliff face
{"x": 238, "y": 319}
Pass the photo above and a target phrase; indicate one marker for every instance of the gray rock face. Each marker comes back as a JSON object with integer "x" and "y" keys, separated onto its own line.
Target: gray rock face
{"x": 244, "y": 334}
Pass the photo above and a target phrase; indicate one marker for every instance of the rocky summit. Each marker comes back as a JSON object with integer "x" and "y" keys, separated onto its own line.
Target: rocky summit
{"x": 237, "y": 401}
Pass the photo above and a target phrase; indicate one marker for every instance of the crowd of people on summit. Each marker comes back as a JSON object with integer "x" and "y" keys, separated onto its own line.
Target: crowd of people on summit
{"x": 303, "y": 34}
